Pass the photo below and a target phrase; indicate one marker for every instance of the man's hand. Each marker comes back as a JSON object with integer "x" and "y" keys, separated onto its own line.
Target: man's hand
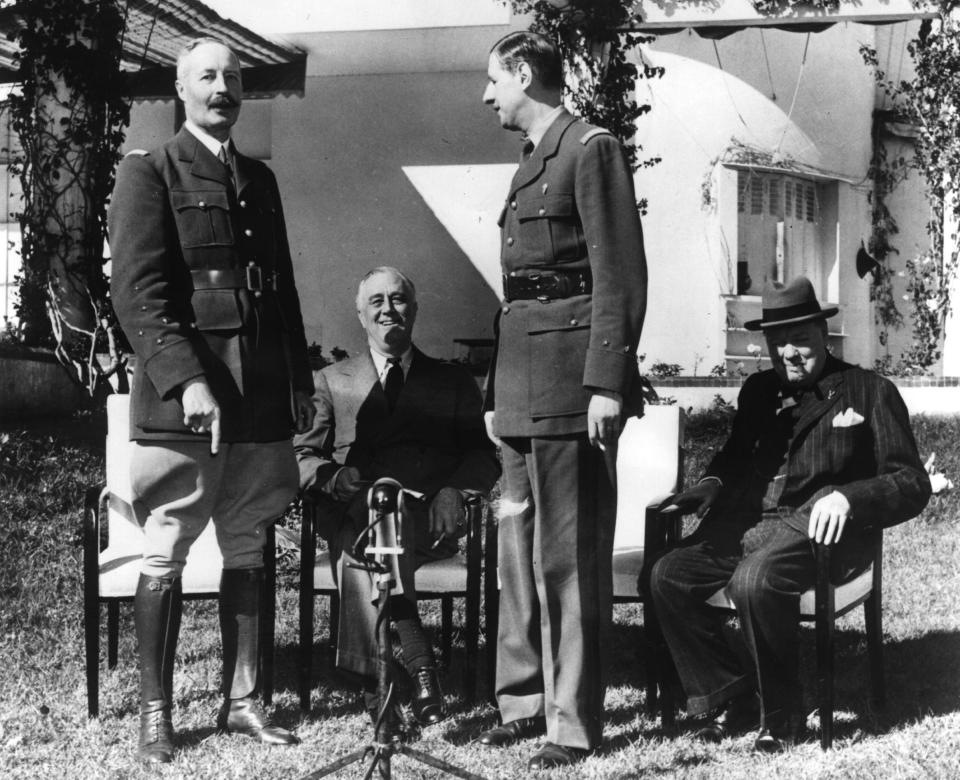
{"x": 828, "y": 518}
{"x": 447, "y": 514}
{"x": 303, "y": 410}
{"x": 346, "y": 484}
{"x": 603, "y": 418}
{"x": 201, "y": 412}
{"x": 488, "y": 423}
{"x": 697, "y": 499}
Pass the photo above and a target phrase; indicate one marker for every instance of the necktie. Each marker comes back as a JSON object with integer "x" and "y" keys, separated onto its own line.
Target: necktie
{"x": 526, "y": 150}
{"x": 225, "y": 159}
{"x": 394, "y": 382}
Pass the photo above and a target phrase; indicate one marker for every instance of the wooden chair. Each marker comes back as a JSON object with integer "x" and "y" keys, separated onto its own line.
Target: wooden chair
{"x": 828, "y": 600}
{"x": 112, "y": 549}
{"x": 455, "y": 577}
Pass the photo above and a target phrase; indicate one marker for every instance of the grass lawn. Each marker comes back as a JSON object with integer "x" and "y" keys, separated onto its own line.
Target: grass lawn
{"x": 44, "y": 731}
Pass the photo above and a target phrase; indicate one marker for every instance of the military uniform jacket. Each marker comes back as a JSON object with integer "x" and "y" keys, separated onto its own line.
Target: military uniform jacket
{"x": 852, "y": 435}
{"x": 434, "y": 437}
{"x": 182, "y": 237}
{"x": 571, "y": 206}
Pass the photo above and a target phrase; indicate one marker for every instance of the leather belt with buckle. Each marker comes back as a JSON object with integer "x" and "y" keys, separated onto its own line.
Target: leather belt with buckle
{"x": 252, "y": 278}
{"x": 546, "y": 286}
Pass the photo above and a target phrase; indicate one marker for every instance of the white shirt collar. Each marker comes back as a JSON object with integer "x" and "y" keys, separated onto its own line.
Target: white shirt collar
{"x": 207, "y": 140}
{"x": 539, "y": 129}
{"x": 380, "y": 363}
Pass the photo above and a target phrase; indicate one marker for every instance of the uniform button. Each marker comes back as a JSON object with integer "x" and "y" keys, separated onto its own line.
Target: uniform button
{"x": 143, "y": 308}
{"x": 193, "y": 325}
{"x": 626, "y": 349}
{"x": 574, "y": 322}
{"x": 510, "y": 241}
{"x": 136, "y": 288}
{"x": 243, "y": 204}
{"x": 505, "y": 310}
{"x": 139, "y": 332}
{"x": 160, "y": 340}
{"x": 248, "y": 232}
{"x": 251, "y": 264}
{"x": 513, "y": 205}
{"x": 542, "y": 211}
{"x": 606, "y": 342}
{"x": 165, "y": 320}
{"x": 202, "y": 204}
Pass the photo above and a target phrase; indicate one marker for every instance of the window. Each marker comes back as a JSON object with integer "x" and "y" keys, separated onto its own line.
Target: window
{"x": 778, "y": 228}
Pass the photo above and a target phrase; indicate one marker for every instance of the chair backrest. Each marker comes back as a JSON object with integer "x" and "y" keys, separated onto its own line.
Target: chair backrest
{"x": 125, "y": 529}
{"x": 648, "y": 467}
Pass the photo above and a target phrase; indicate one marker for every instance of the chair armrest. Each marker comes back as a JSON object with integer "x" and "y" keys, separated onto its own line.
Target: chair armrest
{"x": 308, "y": 539}
{"x": 474, "y": 535}
{"x": 93, "y": 506}
{"x": 658, "y": 499}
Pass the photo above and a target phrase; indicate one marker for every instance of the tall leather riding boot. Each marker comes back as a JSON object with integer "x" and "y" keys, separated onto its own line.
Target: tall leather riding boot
{"x": 157, "y": 607}
{"x": 240, "y": 629}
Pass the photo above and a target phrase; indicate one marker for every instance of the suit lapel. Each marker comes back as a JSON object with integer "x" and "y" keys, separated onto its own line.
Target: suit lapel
{"x": 544, "y": 150}
{"x": 243, "y": 170}
{"x": 831, "y": 389}
{"x": 202, "y": 163}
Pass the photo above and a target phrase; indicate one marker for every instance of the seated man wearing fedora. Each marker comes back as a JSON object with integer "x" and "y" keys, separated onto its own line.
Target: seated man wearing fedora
{"x": 819, "y": 450}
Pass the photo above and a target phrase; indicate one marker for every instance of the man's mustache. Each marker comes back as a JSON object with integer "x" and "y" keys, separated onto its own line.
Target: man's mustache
{"x": 224, "y": 102}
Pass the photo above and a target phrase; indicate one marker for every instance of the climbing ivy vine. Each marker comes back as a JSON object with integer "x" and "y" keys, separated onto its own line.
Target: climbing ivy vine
{"x": 69, "y": 115}
{"x": 931, "y": 102}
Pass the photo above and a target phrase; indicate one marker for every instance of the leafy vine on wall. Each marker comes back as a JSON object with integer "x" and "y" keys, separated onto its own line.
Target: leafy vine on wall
{"x": 931, "y": 101}
{"x": 69, "y": 115}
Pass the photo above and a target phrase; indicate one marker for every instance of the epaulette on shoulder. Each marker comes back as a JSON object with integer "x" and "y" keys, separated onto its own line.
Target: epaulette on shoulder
{"x": 593, "y": 133}
{"x": 138, "y": 153}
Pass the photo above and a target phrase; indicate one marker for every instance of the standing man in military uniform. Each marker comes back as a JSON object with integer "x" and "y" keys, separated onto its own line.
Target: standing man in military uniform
{"x": 564, "y": 376}
{"x": 203, "y": 287}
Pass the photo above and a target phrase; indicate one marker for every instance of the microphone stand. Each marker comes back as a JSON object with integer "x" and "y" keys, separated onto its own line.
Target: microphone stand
{"x": 385, "y": 499}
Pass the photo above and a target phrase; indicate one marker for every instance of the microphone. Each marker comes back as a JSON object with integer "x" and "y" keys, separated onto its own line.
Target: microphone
{"x": 384, "y": 536}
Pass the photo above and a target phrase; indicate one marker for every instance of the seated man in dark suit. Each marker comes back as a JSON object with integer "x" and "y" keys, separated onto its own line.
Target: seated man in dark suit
{"x": 393, "y": 412}
{"x": 819, "y": 450}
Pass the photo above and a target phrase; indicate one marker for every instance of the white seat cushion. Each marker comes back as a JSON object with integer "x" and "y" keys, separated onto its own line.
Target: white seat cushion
{"x": 445, "y": 576}
{"x": 844, "y": 595}
{"x": 627, "y": 563}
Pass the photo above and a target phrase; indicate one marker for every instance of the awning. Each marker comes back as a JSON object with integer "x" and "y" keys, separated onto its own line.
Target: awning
{"x": 155, "y": 32}
{"x": 717, "y": 20}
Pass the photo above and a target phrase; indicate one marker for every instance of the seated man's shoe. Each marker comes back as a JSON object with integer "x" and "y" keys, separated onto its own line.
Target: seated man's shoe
{"x": 740, "y": 714}
{"x": 156, "y": 733}
{"x": 514, "y": 731}
{"x": 244, "y": 716}
{"x": 551, "y": 756}
{"x": 427, "y": 699}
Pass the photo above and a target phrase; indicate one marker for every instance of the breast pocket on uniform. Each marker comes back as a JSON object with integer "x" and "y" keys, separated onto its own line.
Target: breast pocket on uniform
{"x": 203, "y": 217}
{"x": 551, "y": 222}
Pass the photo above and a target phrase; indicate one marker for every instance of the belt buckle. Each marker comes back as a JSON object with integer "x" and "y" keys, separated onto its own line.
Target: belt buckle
{"x": 255, "y": 279}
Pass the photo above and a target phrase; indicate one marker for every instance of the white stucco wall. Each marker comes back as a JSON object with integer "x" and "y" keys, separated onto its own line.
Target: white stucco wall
{"x": 390, "y": 157}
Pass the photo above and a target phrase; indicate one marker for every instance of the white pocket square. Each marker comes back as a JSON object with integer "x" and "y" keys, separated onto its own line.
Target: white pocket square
{"x": 847, "y": 419}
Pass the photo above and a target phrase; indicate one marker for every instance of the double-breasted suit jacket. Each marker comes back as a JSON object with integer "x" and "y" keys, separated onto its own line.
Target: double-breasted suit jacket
{"x": 433, "y": 438}
{"x": 571, "y": 206}
{"x": 202, "y": 283}
{"x": 869, "y": 454}
{"x": 849, "y": 433}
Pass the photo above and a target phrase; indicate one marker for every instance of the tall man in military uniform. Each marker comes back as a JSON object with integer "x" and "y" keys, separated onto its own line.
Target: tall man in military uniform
{"x": 563, "y": 377}
{"x": 203, "y": 287}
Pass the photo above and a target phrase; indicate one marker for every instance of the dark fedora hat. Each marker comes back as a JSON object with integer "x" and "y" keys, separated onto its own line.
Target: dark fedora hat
{"x": 789, "y": 304}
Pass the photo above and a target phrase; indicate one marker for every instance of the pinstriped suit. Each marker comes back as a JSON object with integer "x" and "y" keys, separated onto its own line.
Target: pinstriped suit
{"x": 774, "y": 468}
